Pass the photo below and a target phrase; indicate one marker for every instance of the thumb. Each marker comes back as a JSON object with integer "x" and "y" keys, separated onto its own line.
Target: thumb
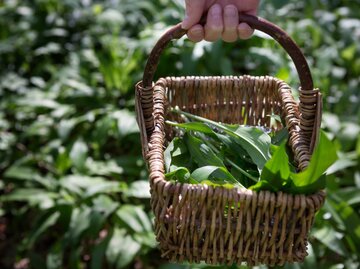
{"x": 193, "y": 12}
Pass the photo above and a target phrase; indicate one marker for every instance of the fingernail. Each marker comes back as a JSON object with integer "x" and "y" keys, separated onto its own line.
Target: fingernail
{"x": 215, "y": 10}
{"x": 230, "y": 10}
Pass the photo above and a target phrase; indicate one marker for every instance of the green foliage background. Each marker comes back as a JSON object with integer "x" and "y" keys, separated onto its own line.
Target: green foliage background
{"x": 74, "y": 190}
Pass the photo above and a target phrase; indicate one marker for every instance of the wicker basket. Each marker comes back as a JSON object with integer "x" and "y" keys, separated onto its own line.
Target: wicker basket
{"x": 224, "y": 226}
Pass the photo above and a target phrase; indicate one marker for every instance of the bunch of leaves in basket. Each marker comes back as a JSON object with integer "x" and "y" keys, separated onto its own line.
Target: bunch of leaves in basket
{"x": 241, "y": 156}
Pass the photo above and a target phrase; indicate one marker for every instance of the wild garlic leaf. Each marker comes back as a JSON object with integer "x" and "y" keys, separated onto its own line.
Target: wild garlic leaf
{"x": 201, "y": 153}
{"x": 213, "y": 184}
{"x": 177, "y": 155}
{"x": 254, "y": 141}
{"x": 233, "y": 148}
{"x": 217, "y": 175}
{"x": 311, "y": 179}
{"x": 277, "y": 167}
{"x": 194, "y": 126}
{"x": 241, "y": 149}
{"x": 276, "y": 172}
{"x": 180, "y": 174}
{"x": 167, "y": 153}
{"x": 279, "y": 137}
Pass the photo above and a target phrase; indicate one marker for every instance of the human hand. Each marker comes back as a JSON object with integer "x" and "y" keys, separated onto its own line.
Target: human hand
{"x": 222, "y": 19}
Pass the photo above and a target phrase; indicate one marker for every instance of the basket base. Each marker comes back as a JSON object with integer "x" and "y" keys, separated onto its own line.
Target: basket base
{"x": 185, "y": 253}
{"x": 198, "y": 223}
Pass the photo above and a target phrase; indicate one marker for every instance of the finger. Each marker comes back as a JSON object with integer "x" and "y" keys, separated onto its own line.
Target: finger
{"x": 193, "y": 12}
{"x": 214, "y": 23}
{"x": 244, "y": 30}
{"x": 196, "y": 33}
{"x": 231, "y": 21}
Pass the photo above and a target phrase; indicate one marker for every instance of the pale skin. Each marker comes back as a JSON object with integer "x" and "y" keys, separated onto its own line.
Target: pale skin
{"x": 222, "y": 19}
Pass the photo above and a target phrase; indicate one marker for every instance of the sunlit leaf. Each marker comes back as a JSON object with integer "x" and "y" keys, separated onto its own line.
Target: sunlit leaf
{"x": 121, "y": 249}
{"x": 138, "y": 189}
{"x": 78, "y": 154}
{"x": 134, "y": 218}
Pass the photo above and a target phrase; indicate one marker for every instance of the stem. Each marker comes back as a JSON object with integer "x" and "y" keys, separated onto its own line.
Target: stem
{"x": 172, "y": 123}
{"x": 241, "y": 170}
{"x": 198, "y": 118}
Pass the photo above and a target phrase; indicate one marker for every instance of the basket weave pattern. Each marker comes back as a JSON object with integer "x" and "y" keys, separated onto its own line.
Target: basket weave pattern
{"x": 217, "y": 225}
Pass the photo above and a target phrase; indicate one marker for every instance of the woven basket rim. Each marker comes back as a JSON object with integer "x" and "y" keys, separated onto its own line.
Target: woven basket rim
{"x": 139, "y": 84}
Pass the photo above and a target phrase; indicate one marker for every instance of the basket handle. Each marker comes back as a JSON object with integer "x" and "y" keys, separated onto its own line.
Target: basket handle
{"x": 261, "y": 24}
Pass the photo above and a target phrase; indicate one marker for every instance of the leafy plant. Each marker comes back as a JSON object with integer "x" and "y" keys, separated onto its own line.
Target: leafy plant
{"x": 210, "y": 149}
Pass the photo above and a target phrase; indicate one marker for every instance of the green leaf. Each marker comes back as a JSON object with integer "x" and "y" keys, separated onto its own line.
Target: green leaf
{"x": 327, "y": 235}
{"x": 146, "y": 239}
{"x": 350, "y": 195}
{"x": 348, "y": 218}
{"x": 104, "y": 128}
{"x": 177, "y": 155}
{"x": 280, "y": 137}
{"x": 66, "y": 126}
{"x": 254, "y": 141}
{"x": 75, "y": 257}
{"x": 201, "y": 153}
{"x": 276, "y": 171}
{"x": 54, "y": 257}
{"x": 44, "y": 223}
{"x": 214, "y": 174}
{"x": 168, "y": 153}
{"x": 134, "y": 218}
{"x": 311, "y": 180}
{"x": 349, "y": 52}
{"x": 80, "y": 221}
{"x": 262, "y": 185}
{"x": 138, "y": 189}
{"x": 100, "y": 168}
{"x": 98, "y": 252}
{"x": 103, "y": 206}
{"x": 122, "y": 249}
{"x": 86, "y": 186}
{"x": 21, "y": 173}
{"x": 180, "y": 174}
{"x": 63, "y": 161}
{"x": 34, "y": 197}
{"x": 126, "y": 122}
{"x": 24, "y": 173}
{"x": 78, "y": 154}
{"x": 194, "y": 126}
{"x": 233, "y": 148}
{"x": 104, "y": 187}
{"x": 340, "y": 165}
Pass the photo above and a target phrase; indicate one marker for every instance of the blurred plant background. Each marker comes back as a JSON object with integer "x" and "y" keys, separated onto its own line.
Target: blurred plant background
{"x": 74, "y": 189}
